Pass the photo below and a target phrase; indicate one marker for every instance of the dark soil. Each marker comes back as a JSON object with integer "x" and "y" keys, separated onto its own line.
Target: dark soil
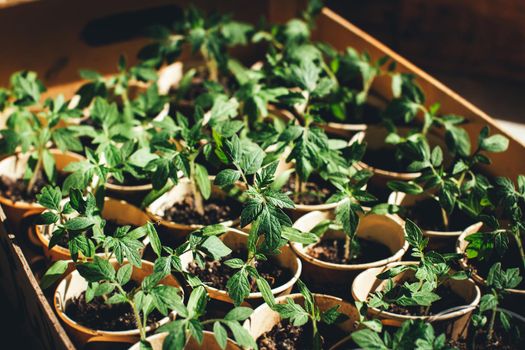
{"x": 216, "y": 274}
{"x": 129, "y": 180}
{"x": 215, "y": 211}
{"x": 333, "y": 250}
{"x": 383, "y": 158}
{"x": 317, "y": 192}
{"x": 366, "y": 114}
{"x": 99, "y": 315}
{"x": 448, "y": 300}
{"x": 427, "y": 215}
{"x": 285, "y": 336}
{"x": 16, "y": 190}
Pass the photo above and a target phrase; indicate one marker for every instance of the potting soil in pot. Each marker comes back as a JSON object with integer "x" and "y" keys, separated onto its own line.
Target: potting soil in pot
{"x": 333, "y": 251}
{"x": 215, "y": 211}
{"x": 285, "y": 336}
{"x": 101, "y": 316}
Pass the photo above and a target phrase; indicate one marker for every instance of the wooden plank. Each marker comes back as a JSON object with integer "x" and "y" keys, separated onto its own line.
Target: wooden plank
{"x": 24, "y": 293}
{"x": 340, "y": 33}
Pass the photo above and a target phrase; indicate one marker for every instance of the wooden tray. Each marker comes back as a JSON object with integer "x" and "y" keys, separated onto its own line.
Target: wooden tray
{"x": 47, "y": 37}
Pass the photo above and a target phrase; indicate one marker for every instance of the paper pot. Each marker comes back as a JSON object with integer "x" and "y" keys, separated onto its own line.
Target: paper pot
{"x": 236, "y": 239}
{"x": 173, "y": 233}
{"x": 14, "y": 168}
{"x": 263, "y": 319}
{"x": 337, "y": 278}
{"x": 461, "y": 247}
{"x": 454, "y": 323}
{"x": 74, "y": 284}
{"x": 208, "y": 343}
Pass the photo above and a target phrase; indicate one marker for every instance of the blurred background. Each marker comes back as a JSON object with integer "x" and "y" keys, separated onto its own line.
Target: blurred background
{"x": 476, "y": 47}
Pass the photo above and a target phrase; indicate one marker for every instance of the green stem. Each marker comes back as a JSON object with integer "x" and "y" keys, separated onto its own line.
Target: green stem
{"x": 519, "y": 242}
{"x": 348, "y": 248}
{"x": 36, "y": 171}
{"x": 491, "y": 323}
{"x": 444, "y": 215}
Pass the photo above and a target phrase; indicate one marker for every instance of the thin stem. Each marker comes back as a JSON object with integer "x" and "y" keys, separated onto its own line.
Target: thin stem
{"x": 36, "y": 171}
{"x": 517, "y": 237}
{"x": 297, "y": 187}
{"x": 348, "y": 248}
{"x": 444, "y": 215}
{"x": 197, "y": 196}
{"x": 491, "y": 323}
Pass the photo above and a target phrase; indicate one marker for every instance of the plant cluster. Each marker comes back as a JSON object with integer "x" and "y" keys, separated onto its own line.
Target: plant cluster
{"x": 257, "y": 132}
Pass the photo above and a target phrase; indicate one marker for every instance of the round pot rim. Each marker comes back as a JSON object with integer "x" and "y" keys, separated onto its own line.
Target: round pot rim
{"x": 455, "y": 314}
{"x": 429, "y": 233}
{"x": 77, "y": 326}
{"x": 463, "y": 262}
{"x": 396, "y": 256}
{"x": 26, "y": 205}
{"x": 258, "y": 295}
{"x": 127, "y": 188}
{"x": 388, "y": 173}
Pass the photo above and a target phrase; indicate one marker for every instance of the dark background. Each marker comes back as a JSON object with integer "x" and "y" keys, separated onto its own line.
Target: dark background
{"x": 476, "y": 47}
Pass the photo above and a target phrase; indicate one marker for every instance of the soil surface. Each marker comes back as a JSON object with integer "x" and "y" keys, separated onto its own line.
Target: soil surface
{"x": 427, "y": 215}
{"x": 317, "y": 192}
{"x": 215, "y": 211}
{"x": 477, "y": 340}
{"x": 216, "y": 274}
{"x": 333, "y": 251}
{"x": 448, "y": 300}
{"x": 285, "y": 336}
{"x": 99, "y": 315}
{"x": 16, "y": 190}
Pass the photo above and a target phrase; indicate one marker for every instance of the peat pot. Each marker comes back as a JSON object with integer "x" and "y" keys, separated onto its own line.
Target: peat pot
{"x": 74, "y": 284}
{"x": 335, "y": 278}
{"x": 235, "y": 239}
{"x": 14, "y": 167}
{"x": 454, "y": 322}
{"x": 208, "y": 343}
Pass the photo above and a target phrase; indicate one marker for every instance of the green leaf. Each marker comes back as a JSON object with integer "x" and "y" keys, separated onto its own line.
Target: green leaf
{"x": 239, "y": 313}
{"x": 97, "y": 270}
{"x": 50, "y": 198}
{"x": 227, "y": 177}
{"x": 79, "y": 223}
{"x": 216, "y": 247}
{"x": 495, "y": 143}
{"x": 238, "y": 286}
{"x": 124, "y": 274}
{"x": 221, "y": 336}
{"x": 368, "y": 339}
{"x": 203, "y": 181}
{"x": 294, "y": 235}
{"x": 414, "y": 235}
{"x": 241, "y": 335}
{"x": 47, "y": 218}
{"x": 154, "y": 239}
{"x": 53, "y": 274}
{"x": 409, "y": 187}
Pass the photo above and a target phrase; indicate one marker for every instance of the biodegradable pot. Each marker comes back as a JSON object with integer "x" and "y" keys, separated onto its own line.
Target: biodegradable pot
{"x": 349, "y": 129}
{"x": 263, "y": 319}
{"x": 454, "y": 324}
{"x": 208, "y": 343}
{"x": 74, "y": 284}
{"x": 320, "y": 275}
{"x": 116, "y": 210}
{"x": 236, "y": 239}
{"x": 461, "y": 247}
{"x": 374, "y": 136}
{"x": 437, "y": 240}
{"x": 173, "y": 233}
{"x": 14, "y": 168}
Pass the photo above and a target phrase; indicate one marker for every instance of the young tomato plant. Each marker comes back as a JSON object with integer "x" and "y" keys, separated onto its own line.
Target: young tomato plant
{"x": 431, "y": 272}
{"x": 189, "y": 324}
{"x": 457, "y": 186}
